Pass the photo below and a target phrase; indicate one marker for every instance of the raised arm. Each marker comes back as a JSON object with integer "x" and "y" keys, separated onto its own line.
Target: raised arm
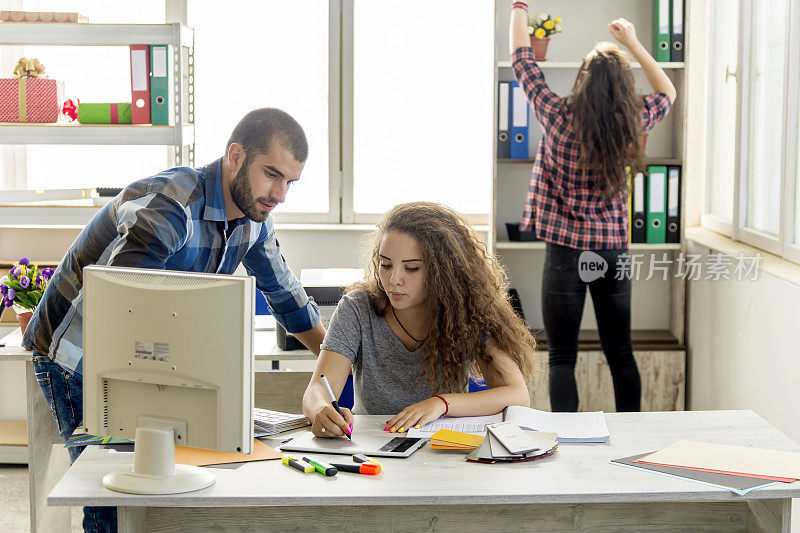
{"x": 624, "y": 32}
{"x": 518, "y": 28}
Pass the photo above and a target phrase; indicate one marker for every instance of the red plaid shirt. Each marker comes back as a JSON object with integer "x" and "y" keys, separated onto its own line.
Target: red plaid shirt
{"x": 562, "y": 203}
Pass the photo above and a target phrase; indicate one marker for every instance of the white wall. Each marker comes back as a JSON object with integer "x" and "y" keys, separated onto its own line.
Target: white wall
{"x": 744, "y": 348}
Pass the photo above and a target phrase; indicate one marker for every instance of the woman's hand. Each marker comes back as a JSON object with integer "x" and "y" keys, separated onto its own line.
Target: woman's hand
{"x": 417, "y": 414}
{"x": 328, "y": 423}
{"x": 623, "y": 31}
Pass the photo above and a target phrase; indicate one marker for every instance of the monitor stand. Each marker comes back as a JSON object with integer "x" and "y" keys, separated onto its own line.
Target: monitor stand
{"x": 154, "y": 469}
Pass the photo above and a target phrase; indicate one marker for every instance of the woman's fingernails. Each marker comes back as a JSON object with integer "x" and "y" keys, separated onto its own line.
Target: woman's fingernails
{"x": 416, "y": 427}
{"x": 393, "y": 429}
{"x": 351, "y": 428}
{"x": 401, "y": 430}
{"x": 386, "y": 428}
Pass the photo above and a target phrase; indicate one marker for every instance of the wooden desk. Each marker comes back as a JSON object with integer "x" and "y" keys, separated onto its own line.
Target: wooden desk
{"x": 48, "y": 458}
{"x": 575, "y": 489}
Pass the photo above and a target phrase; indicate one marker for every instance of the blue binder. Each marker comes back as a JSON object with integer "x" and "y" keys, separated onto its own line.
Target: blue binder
{"x": 519, "y": 122}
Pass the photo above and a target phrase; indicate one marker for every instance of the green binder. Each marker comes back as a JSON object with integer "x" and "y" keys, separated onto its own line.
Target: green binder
{"x": 159, "y": 85}
{"x": 661, "y": 29}
{"x": 656, "y": 204}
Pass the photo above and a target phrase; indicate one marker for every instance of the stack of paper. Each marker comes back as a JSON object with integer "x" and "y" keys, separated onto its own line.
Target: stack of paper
{"x": 492, "y": 451}
{"x": 738, "y": 468}
{"x": 266, "y": 422}
{"x": 571, "y": 427}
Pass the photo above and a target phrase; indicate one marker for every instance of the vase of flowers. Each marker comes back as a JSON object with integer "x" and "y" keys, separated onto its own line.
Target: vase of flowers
{"x": 23, "y": 287}
{"x": 540, "y": 28}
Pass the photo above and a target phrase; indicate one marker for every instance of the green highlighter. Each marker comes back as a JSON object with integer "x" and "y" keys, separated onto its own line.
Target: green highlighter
{"x": 322, "y": 467}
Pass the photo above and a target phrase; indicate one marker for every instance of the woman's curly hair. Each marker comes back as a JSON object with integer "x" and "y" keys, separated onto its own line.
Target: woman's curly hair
{"x": 607, "y": 118}
{"x": 467, "y": 297}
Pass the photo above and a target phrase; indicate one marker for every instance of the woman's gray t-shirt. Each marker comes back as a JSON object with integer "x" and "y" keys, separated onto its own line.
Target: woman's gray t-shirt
{"x": 385, "y": 373}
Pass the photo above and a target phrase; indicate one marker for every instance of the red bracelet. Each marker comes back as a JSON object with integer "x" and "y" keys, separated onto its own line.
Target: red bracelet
{"x": 446, "y": 405}
{"x": 521, "y": 5}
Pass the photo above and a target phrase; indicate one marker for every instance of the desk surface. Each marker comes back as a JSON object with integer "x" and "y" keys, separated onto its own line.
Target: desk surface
{"x": 265, "y": 347}
{"x": 575, "y": 473}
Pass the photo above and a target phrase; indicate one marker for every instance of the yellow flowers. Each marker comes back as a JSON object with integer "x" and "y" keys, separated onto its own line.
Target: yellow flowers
{"x": 543, "y": 25}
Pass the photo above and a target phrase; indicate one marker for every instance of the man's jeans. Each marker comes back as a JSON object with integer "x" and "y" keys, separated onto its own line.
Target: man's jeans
{"x": 64, "y": 394}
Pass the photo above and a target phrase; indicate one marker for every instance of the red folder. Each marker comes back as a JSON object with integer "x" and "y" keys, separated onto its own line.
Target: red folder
{"x": 140, "y": 84}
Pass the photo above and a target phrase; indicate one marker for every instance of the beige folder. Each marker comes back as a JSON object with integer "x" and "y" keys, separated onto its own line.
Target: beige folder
{"x": 727, "y": 458}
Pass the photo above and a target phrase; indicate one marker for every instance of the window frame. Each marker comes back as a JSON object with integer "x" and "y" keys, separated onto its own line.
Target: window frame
{"x": 783, "y": 244}
{"x": 341, "y": 108}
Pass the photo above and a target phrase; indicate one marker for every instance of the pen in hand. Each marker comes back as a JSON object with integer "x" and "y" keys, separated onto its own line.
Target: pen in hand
{"x": 334, "y": 402}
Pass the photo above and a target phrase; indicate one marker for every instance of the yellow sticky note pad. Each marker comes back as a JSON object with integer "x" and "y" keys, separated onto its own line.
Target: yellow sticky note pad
{"x": 466, "y": 439}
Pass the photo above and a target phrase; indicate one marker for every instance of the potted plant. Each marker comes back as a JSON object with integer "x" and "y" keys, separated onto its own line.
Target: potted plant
{"x": 540, "y": 29}
{"x": 23, "y": 287}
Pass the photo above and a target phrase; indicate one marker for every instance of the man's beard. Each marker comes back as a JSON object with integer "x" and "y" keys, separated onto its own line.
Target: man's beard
{"x": 242, "y": 196}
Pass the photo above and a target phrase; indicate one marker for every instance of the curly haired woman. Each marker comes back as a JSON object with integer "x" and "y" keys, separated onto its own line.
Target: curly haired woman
{"x": 431, "y": 311}
{"x": 578, "y": 192}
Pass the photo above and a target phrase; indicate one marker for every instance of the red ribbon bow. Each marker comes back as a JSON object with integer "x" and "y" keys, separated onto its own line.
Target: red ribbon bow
{"x": 70, "y": 109}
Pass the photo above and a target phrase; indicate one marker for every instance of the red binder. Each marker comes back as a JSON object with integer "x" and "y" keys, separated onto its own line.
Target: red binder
{"x": 140, "y": 84}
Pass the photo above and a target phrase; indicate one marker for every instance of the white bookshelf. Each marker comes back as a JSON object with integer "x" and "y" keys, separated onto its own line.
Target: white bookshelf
{"x": 657, "y": 305}
{"x": 540, "y": 245}
{"x": 180, "y": 38}
{"x": 576, "y": 64}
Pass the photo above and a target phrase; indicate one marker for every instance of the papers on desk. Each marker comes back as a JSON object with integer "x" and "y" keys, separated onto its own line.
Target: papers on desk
{"x": 737, "y": 468}
{"x": 492, "y": 450}
{"x": 570, "y": 427}
{"x": 266, "y": 422}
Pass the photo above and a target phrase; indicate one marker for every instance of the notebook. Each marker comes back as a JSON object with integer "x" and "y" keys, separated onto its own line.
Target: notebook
{"x": 570, "y": 427}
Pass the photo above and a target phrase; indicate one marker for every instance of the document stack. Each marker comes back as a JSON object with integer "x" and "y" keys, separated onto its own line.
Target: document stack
{"x": 495, "y": 446}
{"x": 266, "y": 422}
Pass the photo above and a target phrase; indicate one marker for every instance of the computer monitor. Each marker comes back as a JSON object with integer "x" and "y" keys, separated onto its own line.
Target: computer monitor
{"x": 167, "y": 359}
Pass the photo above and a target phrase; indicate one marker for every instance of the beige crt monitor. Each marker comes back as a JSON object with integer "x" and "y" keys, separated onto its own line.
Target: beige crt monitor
{"x": 168, "y": 359}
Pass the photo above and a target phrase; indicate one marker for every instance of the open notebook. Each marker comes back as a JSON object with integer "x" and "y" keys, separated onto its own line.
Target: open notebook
{"x": 570, "y": 427}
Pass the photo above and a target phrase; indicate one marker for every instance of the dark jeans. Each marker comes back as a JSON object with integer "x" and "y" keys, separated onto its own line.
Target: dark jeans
{"x": 64, "y": 394}
{"x": 563, "y": 296}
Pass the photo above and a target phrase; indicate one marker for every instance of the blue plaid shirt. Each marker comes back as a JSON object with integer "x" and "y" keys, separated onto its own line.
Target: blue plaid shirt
{"x": 174, "y": 220}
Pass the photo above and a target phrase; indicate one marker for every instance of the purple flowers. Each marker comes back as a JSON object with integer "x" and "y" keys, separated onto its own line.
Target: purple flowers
{"x": 8, "y": 303}
{"x": 47, "y": 273}
{"x": 3, "y": 290}
{"x": 24, "y": 285}
{"x": 11, "y": 294}
{"x": 14, "y": 271}
{"x": 24, "y": 261}
{"x": 24, "y": 282}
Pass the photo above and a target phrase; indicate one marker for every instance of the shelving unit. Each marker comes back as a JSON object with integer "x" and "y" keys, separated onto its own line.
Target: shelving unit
{"x": 180, "y": 38}
{"x": 657, "y": 304}
{"x": 180, "y": 137}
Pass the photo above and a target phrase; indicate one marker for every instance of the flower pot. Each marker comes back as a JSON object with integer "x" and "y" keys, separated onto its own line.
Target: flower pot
{"x": 23, "y": 319}
{"x": 540, "y": 47}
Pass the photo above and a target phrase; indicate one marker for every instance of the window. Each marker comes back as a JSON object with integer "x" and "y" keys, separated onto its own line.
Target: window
{"x": 766, "y": 111}
{"x": 275, "y": 56}
{"x": 395, "y": 107}
{"x": 421, "y": 123}
{"x": 722, "y": 115}
{"x": 752, "y": 192}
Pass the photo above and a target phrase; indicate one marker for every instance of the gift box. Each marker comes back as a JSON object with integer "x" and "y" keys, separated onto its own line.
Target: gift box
{"x": 41, "y": 16}
{"x": 104, "y": 113}
{"x": 30, "y": 99}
